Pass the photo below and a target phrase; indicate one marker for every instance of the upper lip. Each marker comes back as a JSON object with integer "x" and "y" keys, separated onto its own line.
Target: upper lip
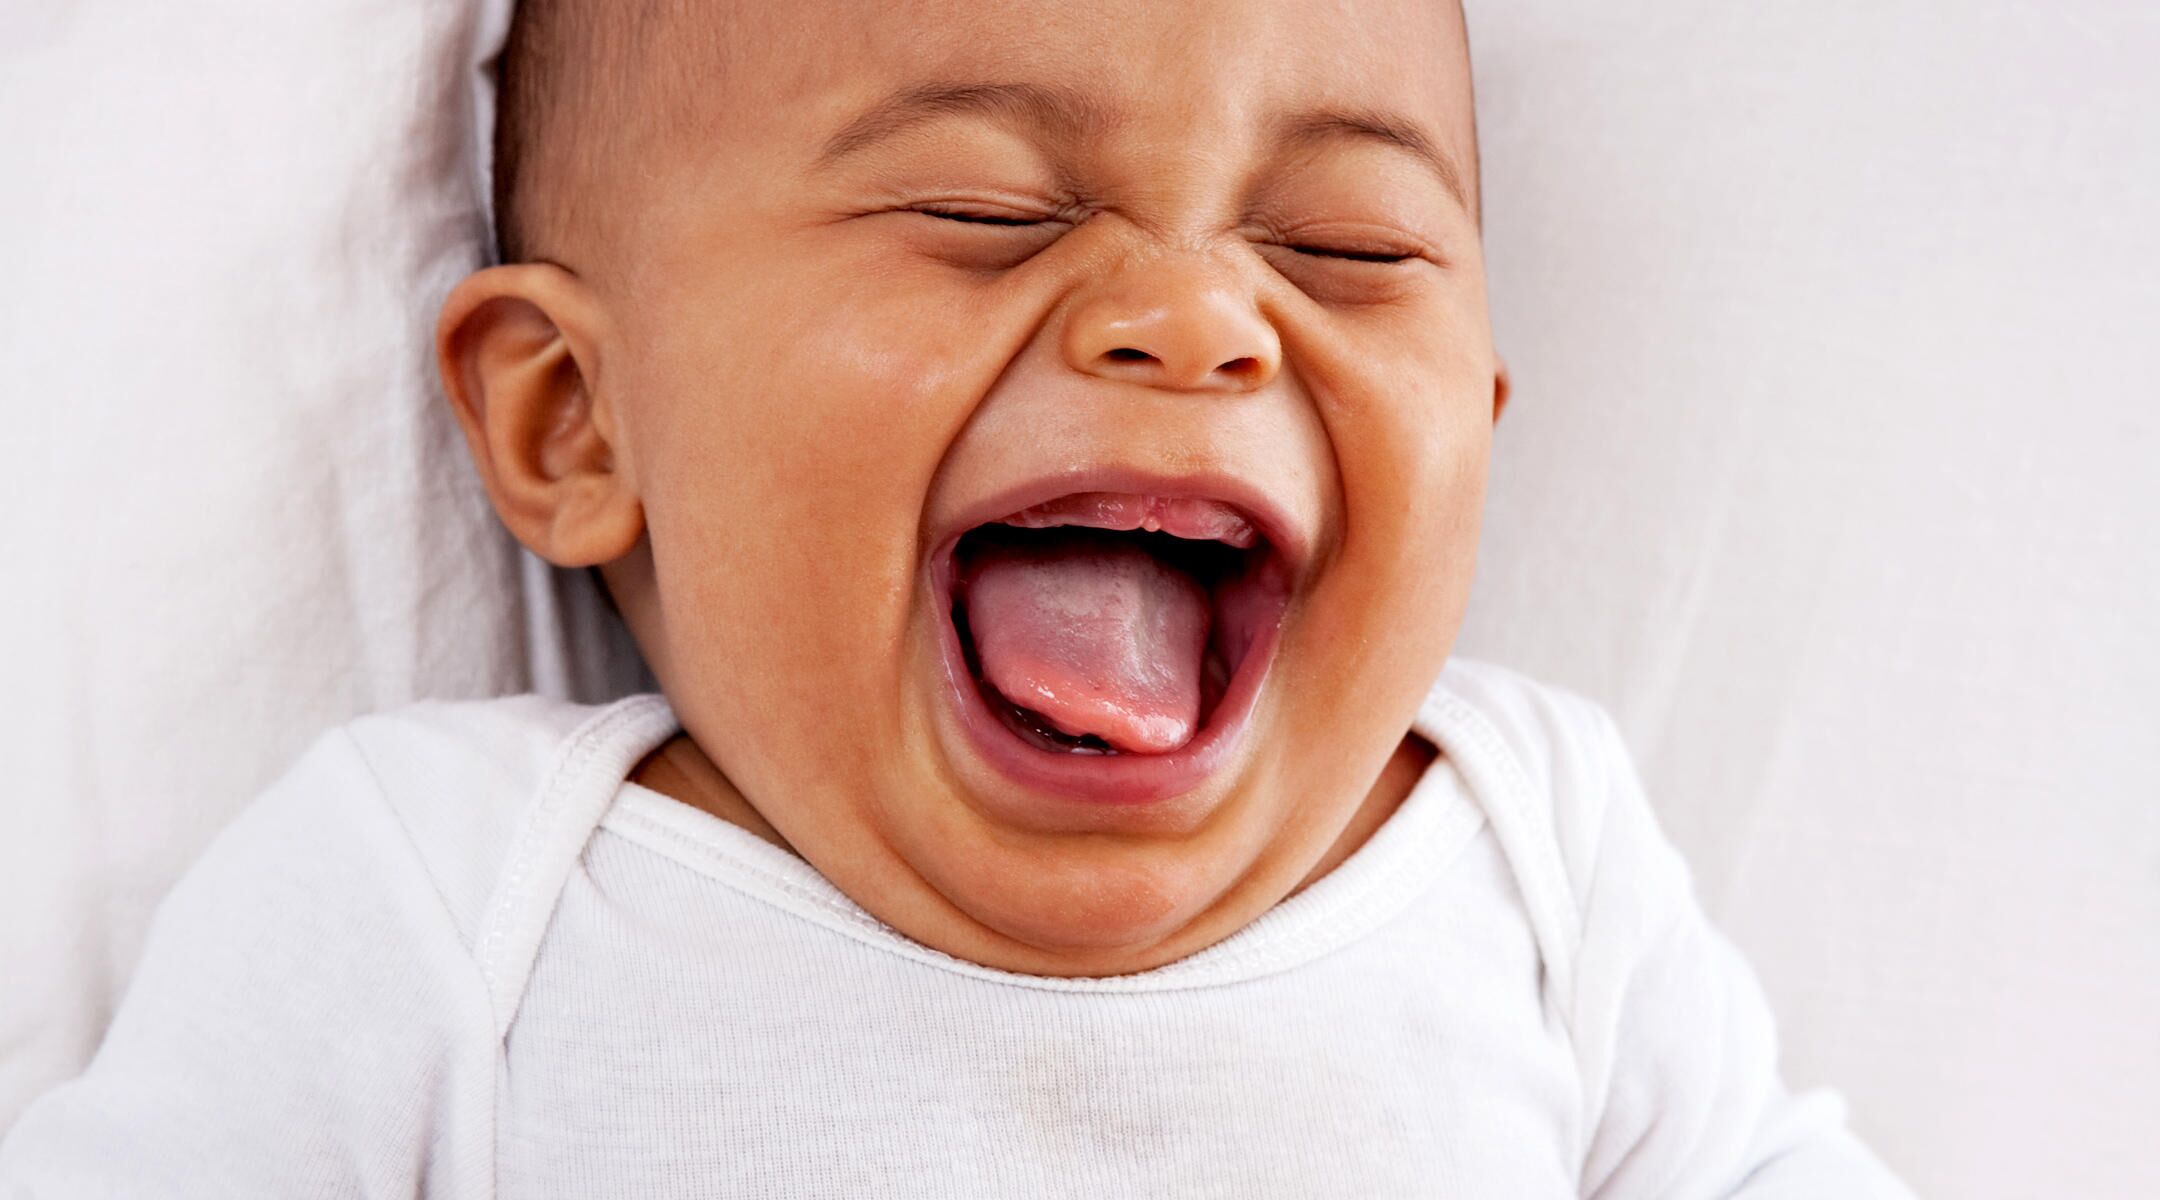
{"x": 1286, "y": 535}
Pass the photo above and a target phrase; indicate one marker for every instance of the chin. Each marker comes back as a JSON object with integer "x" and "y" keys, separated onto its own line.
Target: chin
{"x": 1088, "y": 910}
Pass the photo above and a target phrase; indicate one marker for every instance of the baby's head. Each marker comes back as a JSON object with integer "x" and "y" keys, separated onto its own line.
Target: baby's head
{"x": 1039, "y": 448}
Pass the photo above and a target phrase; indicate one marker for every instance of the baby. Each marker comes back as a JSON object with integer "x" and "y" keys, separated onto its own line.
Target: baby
{"x": 1039, "y": 451}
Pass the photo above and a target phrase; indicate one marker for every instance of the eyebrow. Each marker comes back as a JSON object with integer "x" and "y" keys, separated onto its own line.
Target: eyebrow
{"x": 1072, "y": 113}
{"x": 1064, "y": 110}
{"x": 1371, "y": 125}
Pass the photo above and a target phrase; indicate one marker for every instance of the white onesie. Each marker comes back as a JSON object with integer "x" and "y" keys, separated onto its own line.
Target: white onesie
{"x": 454, "y": 954}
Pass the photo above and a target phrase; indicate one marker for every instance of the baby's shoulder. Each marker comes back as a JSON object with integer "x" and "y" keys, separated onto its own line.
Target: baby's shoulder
{"x": 1547, "y": 728}
{"x": 1548, "y": 763}
{"x": 465, "y": 780}
{"x": 1565, "y": 744}
{"x": 440, "y": 789}
{"x": 475, "y": 760}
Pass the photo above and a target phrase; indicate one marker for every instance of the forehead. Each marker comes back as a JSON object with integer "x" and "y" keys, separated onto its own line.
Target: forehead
{"x": 1130, "y": 76}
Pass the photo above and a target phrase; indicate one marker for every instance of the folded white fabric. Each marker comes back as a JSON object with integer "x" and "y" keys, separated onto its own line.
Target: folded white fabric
{"x": 236, "y": 512}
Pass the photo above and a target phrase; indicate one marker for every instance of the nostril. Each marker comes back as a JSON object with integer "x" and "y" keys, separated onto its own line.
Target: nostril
{"x": 1243, "y": 371}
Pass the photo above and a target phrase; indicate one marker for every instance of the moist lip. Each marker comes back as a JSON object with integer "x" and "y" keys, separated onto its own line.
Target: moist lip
{"x": 1045, "y": 761}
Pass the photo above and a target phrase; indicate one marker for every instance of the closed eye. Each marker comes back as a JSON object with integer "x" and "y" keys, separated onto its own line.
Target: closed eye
{"x": 980, "y": 235}
{"x": 1367, "y": 256}
{"x": 980, "y": 218}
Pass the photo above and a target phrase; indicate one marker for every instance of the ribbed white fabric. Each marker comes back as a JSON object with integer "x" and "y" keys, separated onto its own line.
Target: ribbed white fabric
{"x": 454, "y": 954}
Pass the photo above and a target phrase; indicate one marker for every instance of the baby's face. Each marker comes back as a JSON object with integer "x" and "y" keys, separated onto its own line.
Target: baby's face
{"x": 1060, "y": 432}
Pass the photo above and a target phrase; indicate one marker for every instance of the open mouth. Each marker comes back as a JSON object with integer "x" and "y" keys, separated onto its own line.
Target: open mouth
{"x": 1110, "y": 645}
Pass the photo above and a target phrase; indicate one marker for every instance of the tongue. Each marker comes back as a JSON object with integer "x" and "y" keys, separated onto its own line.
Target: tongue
{"x": 1095, "y": 635}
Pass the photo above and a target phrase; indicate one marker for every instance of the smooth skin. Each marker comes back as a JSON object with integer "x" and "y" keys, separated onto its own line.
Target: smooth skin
{"x": 760, "y": 384}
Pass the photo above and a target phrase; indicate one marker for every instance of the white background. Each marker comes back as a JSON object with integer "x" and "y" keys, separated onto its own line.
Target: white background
{"x": 1834, "y": 470}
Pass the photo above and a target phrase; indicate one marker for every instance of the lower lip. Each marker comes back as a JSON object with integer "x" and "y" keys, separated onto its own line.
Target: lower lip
{"x": 1107, "y": 779}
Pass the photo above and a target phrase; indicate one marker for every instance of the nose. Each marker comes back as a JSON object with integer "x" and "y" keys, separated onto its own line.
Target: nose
{"x": 1171, "y": 322}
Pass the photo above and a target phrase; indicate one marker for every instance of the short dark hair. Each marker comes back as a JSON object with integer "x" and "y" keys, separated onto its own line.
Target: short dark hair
{"x": 569, "y": 72}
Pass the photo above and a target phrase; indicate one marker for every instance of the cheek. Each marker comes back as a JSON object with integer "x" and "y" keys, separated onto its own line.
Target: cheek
{"x": 1426, "y": 494}
{"x": 1410, "y": 421}
{"x": 1414, "y": 432}
{"x": 782, "y": 440}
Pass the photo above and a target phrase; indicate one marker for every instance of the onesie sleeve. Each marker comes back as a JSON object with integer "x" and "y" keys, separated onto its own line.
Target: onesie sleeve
{"x": 305, "y": 1022}
{"x": 1678, "y": 1046}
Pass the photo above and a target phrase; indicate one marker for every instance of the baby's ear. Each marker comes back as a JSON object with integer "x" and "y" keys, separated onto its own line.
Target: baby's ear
{"x": 1500, "y": 387}
{"x": 516, "y": 346}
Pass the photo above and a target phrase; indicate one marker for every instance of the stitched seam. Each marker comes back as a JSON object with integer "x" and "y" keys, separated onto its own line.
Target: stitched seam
{"x": 442, "y": 903}
{"x": 1511, "y": 790}
{"x": 563, "y": 773}
{"x": 635, "y": 824}
{"x": 1570, "y": 929}
{"x": 1448, "y": 833}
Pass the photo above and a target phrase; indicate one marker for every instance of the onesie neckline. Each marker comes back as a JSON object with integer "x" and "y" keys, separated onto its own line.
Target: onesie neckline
{"x": 1407, "y": 854}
